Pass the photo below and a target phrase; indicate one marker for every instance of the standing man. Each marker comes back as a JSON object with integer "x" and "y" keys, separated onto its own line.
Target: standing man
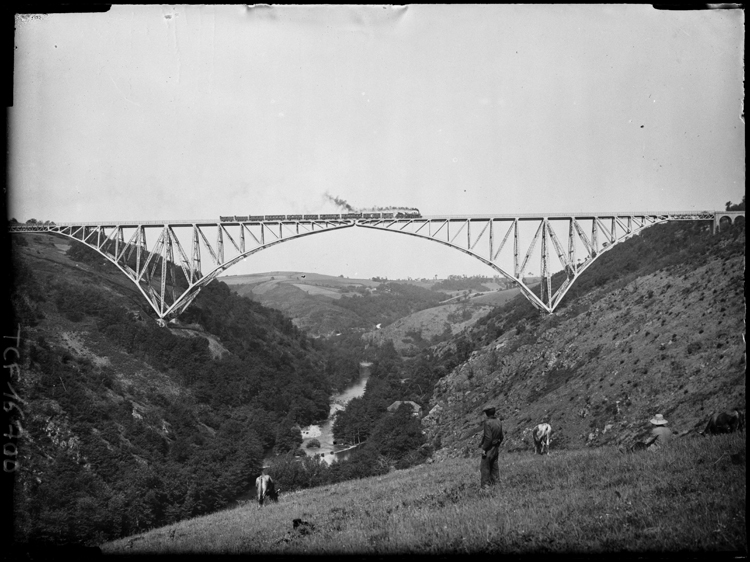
{"x": 492, "y": 436}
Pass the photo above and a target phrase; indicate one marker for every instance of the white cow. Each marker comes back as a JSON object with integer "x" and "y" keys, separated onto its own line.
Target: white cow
{"x": 266, "y": 488}
{"x": 541, "y": 436}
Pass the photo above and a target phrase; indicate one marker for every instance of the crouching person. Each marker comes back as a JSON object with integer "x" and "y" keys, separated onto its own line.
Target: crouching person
{"x": 660, "y": 433}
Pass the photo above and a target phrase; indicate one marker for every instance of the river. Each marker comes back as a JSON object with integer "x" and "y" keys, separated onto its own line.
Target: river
{"x": 324, "y": 432}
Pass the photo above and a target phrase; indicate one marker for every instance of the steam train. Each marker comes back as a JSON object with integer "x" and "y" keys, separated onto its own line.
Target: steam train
{"x": 400, "y": 213}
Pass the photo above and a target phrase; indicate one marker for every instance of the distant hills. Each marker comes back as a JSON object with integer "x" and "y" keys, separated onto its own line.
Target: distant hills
{"x": 314, "y": 302}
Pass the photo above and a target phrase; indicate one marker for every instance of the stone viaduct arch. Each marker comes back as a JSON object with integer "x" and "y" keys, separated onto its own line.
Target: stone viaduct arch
{"x": 178, "y": 258}
{"x": 726, "y": 217}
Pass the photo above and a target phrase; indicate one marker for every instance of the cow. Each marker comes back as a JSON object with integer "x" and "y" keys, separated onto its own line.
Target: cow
{"x": 725, "y": 422}
{"x": 541, "y": 436}
{"x": 266, "y": 488}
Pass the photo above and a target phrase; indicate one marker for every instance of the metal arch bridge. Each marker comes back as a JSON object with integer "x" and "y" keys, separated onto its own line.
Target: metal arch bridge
{"x": 574, "y": 240}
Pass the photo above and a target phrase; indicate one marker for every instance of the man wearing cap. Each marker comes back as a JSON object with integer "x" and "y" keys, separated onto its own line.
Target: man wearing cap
{"x": 660, "y": 434}
{"x": 492, "y": 436}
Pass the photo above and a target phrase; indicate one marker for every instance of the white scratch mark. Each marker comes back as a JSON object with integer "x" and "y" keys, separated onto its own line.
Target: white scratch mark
{"x": 121, "y": 92}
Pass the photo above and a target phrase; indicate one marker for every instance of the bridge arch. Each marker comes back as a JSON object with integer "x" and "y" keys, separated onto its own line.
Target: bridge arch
{"x": 610, "y": 230}
{"x": 169, "y": 276}
{"x": 153, "y": 269}
{"x": 727, "y": 218}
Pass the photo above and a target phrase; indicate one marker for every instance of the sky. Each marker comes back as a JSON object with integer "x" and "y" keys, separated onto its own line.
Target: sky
{"x": 151, "y": 112}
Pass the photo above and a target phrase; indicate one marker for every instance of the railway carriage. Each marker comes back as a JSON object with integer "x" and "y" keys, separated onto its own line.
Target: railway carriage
{"x": 398, "y": 213}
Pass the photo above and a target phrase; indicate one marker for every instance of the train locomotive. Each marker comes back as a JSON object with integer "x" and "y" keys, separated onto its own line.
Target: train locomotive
{"x": 395, "y": 213}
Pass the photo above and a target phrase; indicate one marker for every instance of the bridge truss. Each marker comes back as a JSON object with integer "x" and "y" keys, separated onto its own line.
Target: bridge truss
{"x": 170, "y": 261}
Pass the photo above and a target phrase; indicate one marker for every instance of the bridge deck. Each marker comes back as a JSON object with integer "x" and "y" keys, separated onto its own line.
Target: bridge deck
{"x": 670, "y": 215}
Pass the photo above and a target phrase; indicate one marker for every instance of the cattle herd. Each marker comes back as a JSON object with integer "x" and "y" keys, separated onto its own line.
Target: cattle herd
{"x": 722, "y": 422}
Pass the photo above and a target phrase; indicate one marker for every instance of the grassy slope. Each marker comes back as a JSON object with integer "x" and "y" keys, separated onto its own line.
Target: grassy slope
{"x": 314, "y": 311}
{"x": 430, "y": 322}
{"x": 690, "y": 496}
{"x": 296, "y": 277}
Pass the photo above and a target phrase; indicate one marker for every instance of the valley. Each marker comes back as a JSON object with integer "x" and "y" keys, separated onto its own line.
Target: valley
{"x": 128, "y": 418}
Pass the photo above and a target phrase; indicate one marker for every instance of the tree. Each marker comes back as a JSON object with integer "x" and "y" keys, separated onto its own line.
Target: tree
{"x": 737, "y": 207}
{"x": 288, "y": 436}
{"x": 397, "y": 434}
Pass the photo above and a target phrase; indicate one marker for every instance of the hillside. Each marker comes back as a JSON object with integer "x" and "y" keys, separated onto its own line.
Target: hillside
{"x": 322, "y": 305}
{"x": 127, "y": 425}
{"x": 656, "y": 327}
{"x": 418, "y": 330}
{"x": 309, "y": 299}
{"x": 688, "y": 499}
{"x": 421, "y": 329}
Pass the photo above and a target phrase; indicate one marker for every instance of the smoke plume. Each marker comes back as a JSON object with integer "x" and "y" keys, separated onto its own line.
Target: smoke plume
{"x": 340, "y": 203}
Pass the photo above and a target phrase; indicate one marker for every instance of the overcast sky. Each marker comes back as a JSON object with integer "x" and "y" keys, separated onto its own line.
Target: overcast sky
{"x": 183, "y": 112}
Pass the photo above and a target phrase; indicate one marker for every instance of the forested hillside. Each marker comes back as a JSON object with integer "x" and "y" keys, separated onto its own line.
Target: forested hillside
{"x": 127, "y": 425}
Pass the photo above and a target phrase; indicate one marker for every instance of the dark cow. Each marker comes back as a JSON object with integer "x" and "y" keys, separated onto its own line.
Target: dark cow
{"x": 725, "y": 422}
{"x": 266, "y": 488}
{"x": 541, "y": 436}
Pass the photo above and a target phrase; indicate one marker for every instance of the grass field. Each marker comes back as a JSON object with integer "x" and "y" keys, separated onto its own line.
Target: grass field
{"x": 690, "y": 497}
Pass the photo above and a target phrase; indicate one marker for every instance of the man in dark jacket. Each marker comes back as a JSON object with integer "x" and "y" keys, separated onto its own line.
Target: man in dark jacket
{"x": 492, "y": 436}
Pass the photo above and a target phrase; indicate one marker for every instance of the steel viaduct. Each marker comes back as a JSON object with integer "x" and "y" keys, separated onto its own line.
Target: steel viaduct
{"x": 169, "y": 266}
